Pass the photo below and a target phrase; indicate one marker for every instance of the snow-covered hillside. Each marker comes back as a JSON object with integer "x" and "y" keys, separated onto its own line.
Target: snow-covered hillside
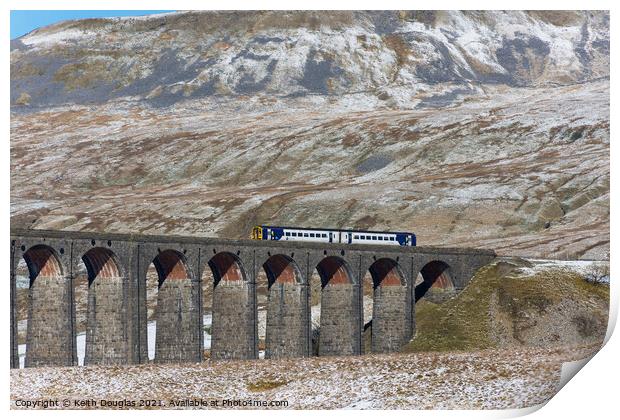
{"x": 469, "y": 128}
{"x": 400, "y": 59}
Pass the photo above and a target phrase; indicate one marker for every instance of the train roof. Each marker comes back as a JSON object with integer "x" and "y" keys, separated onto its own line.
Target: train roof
{"x": 338, "y": 230}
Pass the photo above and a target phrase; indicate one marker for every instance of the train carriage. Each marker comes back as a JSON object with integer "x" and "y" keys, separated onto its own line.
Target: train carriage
{"x": 341, "y": 236}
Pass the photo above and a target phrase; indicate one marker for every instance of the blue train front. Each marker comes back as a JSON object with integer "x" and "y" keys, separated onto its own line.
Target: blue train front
{"x": 337, "y": 236}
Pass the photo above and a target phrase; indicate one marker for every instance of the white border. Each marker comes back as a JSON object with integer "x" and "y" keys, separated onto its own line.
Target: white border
{"x": 591, "y": 395}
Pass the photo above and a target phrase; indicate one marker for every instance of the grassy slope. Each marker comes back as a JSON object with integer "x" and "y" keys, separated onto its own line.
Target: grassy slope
{"x": 464, "y": 322}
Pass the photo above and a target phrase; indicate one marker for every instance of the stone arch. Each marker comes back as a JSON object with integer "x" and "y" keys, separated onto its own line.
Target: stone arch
{"x": 227, "y": 267}
{"x": 49, "y": 332}
{"x": 283, "y": 269}
{"x": 340, "y": 326}
{"x": 232, "y": 327}
{"x": 390, "y": 306}
{"x": 386, "y": 272}
{"x": 42, "y": 260}
{"x": 101, "y": 262}
{"x": 106, "y": 331}
{"x": 434, "y": 281}
{"x": 287, "y": 309}
{"x": 177, "y": 326}
{"x": 171, "y": 265}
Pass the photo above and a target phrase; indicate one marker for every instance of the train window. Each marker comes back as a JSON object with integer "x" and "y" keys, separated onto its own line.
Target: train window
{"x": 356, "y": 236}
{"x": 374, "y": 238}
{"x": 312, "y": 235}
{"x": 305, "y": 235}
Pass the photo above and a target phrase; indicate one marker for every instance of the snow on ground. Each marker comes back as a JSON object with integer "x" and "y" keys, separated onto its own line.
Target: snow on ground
{"x": 492, "y": 379}
{"x": 584, "y": 268}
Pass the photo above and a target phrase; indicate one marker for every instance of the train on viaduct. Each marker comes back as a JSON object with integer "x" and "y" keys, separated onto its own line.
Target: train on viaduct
{"x": 117, "y": 264}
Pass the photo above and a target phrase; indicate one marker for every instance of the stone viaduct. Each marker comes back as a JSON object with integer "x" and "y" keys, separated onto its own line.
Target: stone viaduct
{"x": 116, "y": 331}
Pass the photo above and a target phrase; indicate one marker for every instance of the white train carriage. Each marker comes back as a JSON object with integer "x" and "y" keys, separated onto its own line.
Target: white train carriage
{"x": 282, "y": 233}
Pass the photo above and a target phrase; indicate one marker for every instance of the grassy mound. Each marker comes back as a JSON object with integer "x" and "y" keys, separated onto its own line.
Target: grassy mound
{"x": 504, "y": 306}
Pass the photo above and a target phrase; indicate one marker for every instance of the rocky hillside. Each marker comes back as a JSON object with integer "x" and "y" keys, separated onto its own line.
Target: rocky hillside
{"x": 469, "y": 128}
{"x": 518, "y": 303}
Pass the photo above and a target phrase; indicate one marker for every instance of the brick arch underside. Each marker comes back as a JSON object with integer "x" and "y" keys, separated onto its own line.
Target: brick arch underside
{"x": 435, "y": 275}
{"x": 391, "y": 308}
{"x": 340, "y": 310}
{"x": 287, "y": 309}
{"x": 232, "y": 328}
{"x": 49, "y": 335}
{"x": 178, "y": 328}
{"x": 106, "y": 330}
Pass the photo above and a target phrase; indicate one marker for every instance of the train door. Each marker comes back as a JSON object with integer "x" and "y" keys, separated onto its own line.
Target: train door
{"x": 331, "y": 238}
{"x": 339, "y": 237}
{"x": 350, "y": 237}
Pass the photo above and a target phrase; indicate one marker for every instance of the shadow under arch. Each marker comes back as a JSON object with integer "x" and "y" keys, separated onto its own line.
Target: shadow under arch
{"x": 436, "y": 275}
{"x": 171, "y": 265}
{"x": 49, "y": 331}
{"x": 386, "y": 272}
{"x": 42, "y": 260}
{"x": 287, "y": 322}
{"x": 101, "y": 262}
{"x": 227, "y": 267}
{"x": 233, "y": 319}
{"x": 340, "y": 325}
{"x": 334, "y": 270}
{"x": 281, "y": 268}
{"x": 106, "y": 331}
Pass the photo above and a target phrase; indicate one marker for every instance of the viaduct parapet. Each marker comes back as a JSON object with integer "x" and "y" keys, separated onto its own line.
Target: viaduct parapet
{"x": 117, "y": 264}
